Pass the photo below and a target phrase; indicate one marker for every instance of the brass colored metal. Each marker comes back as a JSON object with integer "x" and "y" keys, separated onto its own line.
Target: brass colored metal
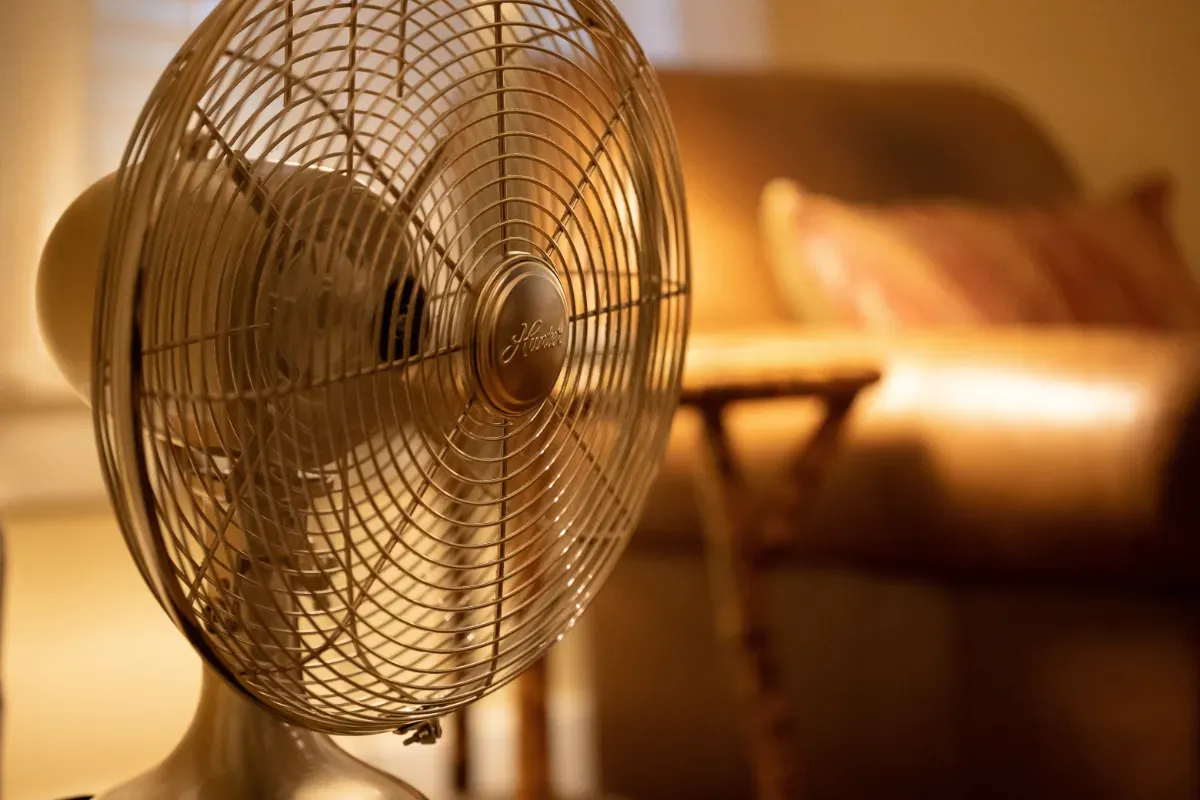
{"x": 353, "y": 378}
{"x": 520, "y": 342}
{"x": 236, "y": 750}
{"x": 390, "y": 330}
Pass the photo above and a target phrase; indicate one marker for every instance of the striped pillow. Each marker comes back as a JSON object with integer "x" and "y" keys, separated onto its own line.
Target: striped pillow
{"x": 1111, "y": 263}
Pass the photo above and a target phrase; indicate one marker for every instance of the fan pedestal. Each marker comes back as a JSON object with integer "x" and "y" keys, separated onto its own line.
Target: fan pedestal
{"x": 235, "y": 750}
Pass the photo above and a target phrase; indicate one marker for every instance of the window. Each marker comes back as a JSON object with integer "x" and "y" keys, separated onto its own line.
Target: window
{"x": 133, "y": 40}
{"x": 700, "y": 32}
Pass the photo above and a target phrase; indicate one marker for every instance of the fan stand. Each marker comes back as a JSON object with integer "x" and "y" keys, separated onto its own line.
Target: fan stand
{"x": 739, "y": 537}
{"x": 235, "y": 750}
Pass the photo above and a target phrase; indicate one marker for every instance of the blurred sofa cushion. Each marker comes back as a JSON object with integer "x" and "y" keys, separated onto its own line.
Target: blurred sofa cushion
{"x": 1113, "y": 261}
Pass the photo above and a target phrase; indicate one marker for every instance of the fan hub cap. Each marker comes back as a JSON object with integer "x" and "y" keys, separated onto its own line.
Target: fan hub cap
{"x": 520, "y": 339}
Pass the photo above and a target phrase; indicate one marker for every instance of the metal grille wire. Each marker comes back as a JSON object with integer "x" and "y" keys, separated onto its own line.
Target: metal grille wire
{"x": 295, "y": 443}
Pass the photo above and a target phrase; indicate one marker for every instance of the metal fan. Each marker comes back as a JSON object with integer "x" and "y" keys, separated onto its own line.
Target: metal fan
{"x": 390, "y": 303}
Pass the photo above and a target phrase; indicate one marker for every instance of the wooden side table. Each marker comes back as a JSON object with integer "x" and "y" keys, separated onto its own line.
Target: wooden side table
{"x": 740, "y": 542}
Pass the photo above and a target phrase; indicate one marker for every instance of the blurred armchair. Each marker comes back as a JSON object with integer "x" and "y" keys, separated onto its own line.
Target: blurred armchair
{"x": 970, "y": 605}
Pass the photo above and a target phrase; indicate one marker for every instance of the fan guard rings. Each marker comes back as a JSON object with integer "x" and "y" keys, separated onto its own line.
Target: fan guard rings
{"x": 390, "y": 331}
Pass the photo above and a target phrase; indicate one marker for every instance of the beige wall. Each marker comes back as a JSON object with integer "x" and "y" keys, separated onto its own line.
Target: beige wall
{"x": 96, "y": 681}
{"x": 44, "y": 52}
{"x": 1115, "y": 80}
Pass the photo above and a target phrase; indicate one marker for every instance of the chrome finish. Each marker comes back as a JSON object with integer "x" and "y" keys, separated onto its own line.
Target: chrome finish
{"x": 520, "y": 342}
{"x": 331, "y": 224}
{"x": 236, "y": 750}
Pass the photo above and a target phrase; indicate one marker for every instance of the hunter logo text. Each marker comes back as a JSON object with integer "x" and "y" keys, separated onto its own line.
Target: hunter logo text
{"x": 530, "y": 339}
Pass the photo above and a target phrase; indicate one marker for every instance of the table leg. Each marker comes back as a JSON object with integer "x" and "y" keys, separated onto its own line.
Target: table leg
{"x": 732, "y": 536}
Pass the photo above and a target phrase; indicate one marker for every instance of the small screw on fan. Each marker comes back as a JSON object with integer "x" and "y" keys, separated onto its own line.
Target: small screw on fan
{"x": 427, "y": 732}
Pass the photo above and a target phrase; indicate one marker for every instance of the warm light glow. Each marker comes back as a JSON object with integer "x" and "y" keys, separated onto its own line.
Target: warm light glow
{"x": 1013, "y": 396}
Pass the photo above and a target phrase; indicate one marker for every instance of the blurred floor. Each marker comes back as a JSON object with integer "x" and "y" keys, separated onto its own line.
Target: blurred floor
{"x": 98, "y": 685}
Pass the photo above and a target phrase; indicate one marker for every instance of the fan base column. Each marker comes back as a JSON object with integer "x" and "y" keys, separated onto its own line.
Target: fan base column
{"x": 235, "y": 750}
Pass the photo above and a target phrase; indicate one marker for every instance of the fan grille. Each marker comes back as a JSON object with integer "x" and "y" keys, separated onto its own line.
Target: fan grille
{"x": 306, "y": 450}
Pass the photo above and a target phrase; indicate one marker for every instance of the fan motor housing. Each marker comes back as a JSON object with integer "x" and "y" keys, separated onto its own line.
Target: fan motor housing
{"x": 520, "y": 336}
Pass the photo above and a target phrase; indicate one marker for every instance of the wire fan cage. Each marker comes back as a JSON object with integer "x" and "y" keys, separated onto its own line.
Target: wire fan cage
{"x": 303, "y": 451}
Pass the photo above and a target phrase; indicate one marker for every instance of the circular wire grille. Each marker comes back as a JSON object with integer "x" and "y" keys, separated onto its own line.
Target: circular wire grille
{"x": 293, "y": 428}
